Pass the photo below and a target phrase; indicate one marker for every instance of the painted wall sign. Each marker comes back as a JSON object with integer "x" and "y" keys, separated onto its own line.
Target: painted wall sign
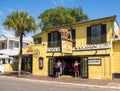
{"x": 53, "y": 50}
{"x": 94, "y": 61}
{"x": 92, "y": 47}
{"x": 82, "y": 48}
{"x": 29, "y": 49}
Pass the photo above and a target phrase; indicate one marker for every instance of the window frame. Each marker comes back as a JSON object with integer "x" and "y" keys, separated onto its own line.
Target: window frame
{"x": 73, "y": 32}
{"x": 39, "y": 40}
{"x": 54, "y": 39}
{"x": 102, "y": 34}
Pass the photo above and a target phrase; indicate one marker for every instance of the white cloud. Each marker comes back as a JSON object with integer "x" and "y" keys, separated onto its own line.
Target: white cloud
{"x": 54, "y": 2}
{"x": 61, "y": 2}
{"x": 1, "y": 13}
{"x": 4, "y": 31}
{"x": 10, "y": 10}
{"x": 58, "y": 2}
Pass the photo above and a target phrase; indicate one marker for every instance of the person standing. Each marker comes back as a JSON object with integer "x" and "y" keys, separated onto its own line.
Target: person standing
{"x": 59, "y": 69}
{"x": 76, "y": 69}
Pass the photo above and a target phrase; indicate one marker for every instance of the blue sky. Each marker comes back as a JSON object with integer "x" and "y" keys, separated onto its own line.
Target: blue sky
{"x": 94, "y": 8}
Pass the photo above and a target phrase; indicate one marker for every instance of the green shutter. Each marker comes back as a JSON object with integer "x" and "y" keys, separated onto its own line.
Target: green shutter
{"x": 49, "y": 39}
{"x": 73, "y": 33}
{"x": 88, "y": 35}
{"x": 103, "y": 33}
{"x": 59, "y": 38}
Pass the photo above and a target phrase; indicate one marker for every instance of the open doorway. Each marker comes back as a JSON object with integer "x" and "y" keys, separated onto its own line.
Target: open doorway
{"x": 68, "y": 65}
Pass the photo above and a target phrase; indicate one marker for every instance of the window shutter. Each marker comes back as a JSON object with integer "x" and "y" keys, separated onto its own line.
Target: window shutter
{"x": 73, "y": 33}
{"x": 88, "y": 35}
{"x": 103, "y": 33}
{"x": 49, "y": 39}
{"x": 59, "y": 38}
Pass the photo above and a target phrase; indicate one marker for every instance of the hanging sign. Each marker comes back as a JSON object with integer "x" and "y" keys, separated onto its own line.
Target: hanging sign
{"x": 66, "y": 46}
{"x": 66, "y": 41}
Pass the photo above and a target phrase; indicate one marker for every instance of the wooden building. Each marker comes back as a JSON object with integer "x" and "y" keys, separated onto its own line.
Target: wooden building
{"x": 95, "y": 44}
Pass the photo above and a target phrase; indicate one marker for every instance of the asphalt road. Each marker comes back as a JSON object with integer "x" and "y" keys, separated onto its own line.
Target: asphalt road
{"x": 12, "y": 84}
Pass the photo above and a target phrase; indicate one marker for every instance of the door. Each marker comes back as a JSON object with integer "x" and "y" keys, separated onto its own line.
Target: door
{"x": 51, "y": 64}
{"x": 26, "y": 64}
{"x": 84, "y": 67}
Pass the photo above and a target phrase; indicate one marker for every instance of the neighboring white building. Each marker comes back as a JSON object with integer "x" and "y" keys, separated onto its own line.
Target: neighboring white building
{"x": 9, "y": 44}
{"x": 9, "y": 48}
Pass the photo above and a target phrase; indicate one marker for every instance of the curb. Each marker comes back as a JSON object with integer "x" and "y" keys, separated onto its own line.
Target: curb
{"x": 64, "y": 83}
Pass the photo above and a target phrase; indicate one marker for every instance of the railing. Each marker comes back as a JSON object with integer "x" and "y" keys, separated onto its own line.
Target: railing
{"x": 9, "y": 51}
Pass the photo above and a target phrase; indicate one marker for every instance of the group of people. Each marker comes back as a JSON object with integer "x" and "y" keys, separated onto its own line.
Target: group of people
{"x": 60, "y": 67}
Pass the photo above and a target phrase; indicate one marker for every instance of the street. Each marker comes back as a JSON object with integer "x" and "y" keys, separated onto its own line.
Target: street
{"x": 15, "y": 84}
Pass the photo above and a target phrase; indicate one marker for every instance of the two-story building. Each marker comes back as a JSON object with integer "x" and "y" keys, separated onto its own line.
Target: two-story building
{"x": 95, "y": 44}
{"x": 9, "y": 50}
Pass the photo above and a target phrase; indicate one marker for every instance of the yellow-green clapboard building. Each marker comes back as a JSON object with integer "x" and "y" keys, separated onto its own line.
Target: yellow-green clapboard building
{"x": 95, "y": 44}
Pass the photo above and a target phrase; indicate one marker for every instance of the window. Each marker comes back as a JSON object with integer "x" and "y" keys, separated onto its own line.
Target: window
{"x": 37, "y": 40}
{"x": 73, "y": 32}
{"x": 96, "y": 34}
{"x": 3, "y": 45}
{"x": 40, "y": 63}
{"x": 16, "y": 45}
{"x": 54, "y": 39}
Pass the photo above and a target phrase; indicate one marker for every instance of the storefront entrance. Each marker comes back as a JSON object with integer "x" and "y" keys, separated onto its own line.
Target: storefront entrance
{"x": 27, "y": 64}
{"x": 68, "y": 66}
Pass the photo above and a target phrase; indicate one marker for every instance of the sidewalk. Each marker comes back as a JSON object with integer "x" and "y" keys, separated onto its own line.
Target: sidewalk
{"x": 86, "y": 82}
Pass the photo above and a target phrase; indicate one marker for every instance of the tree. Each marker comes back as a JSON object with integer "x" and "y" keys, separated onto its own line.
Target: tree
{"x": 79, "y": 14}
{"x": 21, "y": 23}
{"x": 60, "y": 16}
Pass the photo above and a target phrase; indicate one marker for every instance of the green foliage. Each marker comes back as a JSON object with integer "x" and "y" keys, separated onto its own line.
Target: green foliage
{"x": 60, "y": 16}
{"x": 79, "y": 14}
{"x": 20, "y": 22}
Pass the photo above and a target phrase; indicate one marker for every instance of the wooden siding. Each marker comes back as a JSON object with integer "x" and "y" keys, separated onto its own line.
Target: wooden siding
{"x": 116, "y": 56}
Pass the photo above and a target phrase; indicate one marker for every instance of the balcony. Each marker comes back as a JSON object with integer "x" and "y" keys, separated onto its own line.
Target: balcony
{"x": 9, "y": 52}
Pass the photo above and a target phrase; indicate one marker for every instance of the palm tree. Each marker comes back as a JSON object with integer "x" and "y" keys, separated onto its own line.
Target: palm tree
{"x": 21, "y": 23}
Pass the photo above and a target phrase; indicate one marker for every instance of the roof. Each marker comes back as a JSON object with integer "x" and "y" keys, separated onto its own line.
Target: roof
{"x": 9, "y": 35}
{"x": 12, "y": 37}
{"x": 28, "y": 39}
{"x": 99, "y": 19}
